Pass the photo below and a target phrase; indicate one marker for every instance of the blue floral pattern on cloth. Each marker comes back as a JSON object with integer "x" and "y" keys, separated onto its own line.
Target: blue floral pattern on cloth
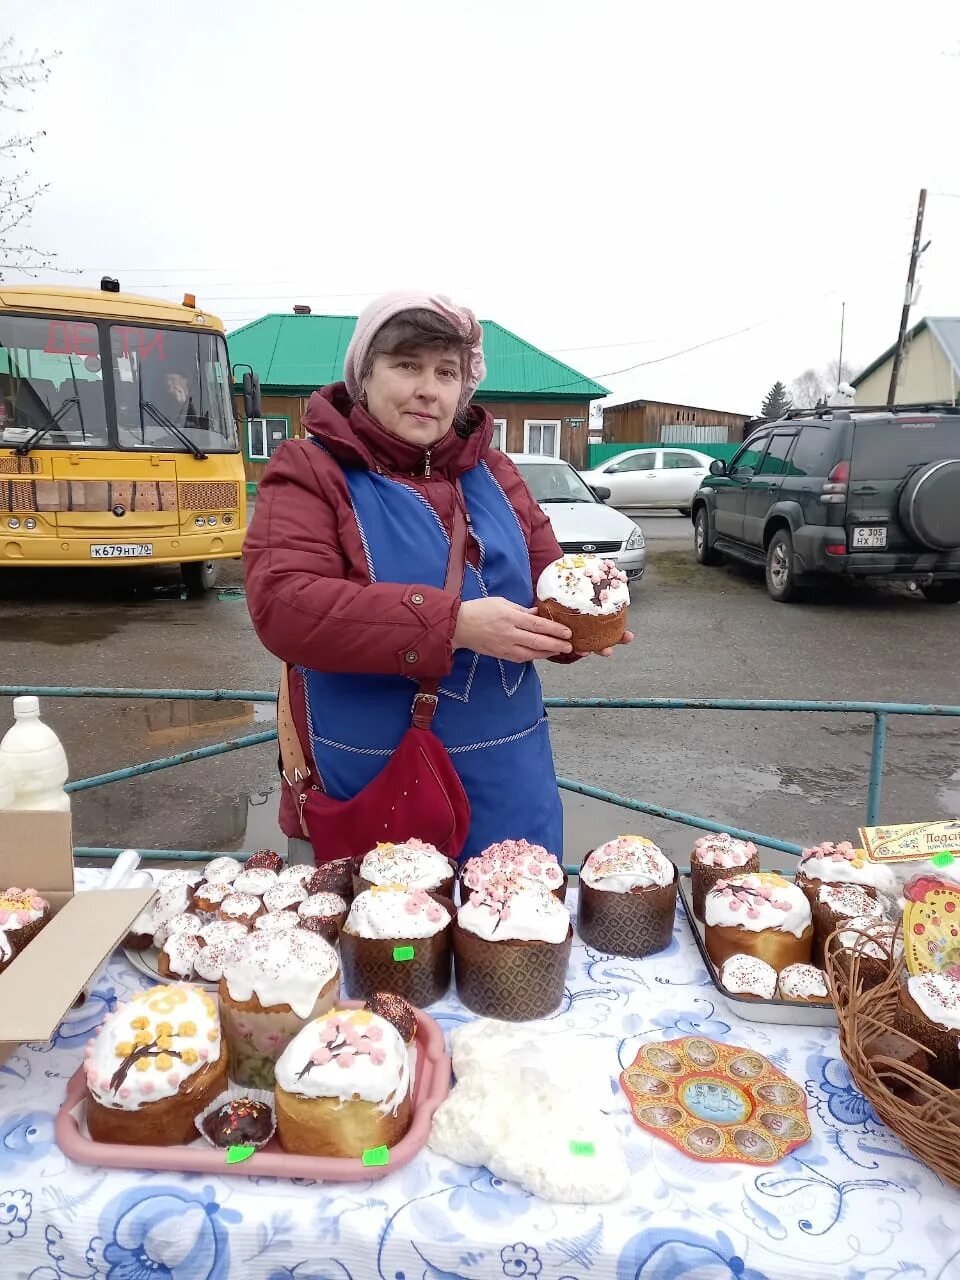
{"x": 852, "y": 1204}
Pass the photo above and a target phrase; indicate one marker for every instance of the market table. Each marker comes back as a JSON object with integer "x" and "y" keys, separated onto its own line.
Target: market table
{"x": 852, "y": 1203}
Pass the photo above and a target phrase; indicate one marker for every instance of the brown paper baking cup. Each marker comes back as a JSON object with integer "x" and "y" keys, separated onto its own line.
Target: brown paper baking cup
{"x": 703, "y": 878}
{"x": 945, "y": 1064}
{"x": 369, "y": 965}
{"x": 591, "y": 631}
{"x": 628, "y": 924}
{"x": 517, "y": 981}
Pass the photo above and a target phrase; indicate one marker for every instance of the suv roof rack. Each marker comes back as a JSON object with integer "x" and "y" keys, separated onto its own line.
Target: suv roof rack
{"x": 842, "y": 412}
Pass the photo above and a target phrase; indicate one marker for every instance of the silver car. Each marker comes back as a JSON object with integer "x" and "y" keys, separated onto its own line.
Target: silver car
{"x": 580, "y": 519}
{"x": 652, "y": 477}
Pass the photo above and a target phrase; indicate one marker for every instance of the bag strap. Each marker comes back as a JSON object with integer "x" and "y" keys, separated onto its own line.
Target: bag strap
{"x": 293, "y": 762}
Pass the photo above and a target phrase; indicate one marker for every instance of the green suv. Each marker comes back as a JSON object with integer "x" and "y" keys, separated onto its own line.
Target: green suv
{"x": 872, "y": 493}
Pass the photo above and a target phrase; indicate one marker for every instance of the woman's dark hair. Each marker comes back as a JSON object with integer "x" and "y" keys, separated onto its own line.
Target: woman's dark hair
{"x": 411, "y": 331}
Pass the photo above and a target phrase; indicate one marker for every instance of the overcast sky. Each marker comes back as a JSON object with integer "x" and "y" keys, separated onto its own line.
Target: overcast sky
{"x": 614, "y": 180}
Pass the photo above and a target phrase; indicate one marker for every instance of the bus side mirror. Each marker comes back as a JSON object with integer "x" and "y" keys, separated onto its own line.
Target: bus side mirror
{"x": 252, "y": 400}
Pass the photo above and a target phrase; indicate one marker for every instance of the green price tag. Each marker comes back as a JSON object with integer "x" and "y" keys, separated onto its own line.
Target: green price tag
{"x": 582, "y": 1149}
{"x": 942, "y": 859}
{"x": 403, "y": 953}
{"x": 375, "y": 1156}
{"x": 236, "y": 1154}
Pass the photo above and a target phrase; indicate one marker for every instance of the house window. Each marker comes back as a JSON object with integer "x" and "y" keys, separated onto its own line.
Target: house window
{"x": 500, "y": 433}
{"x": 264, "y": 435}
{"x": 542, "y": 436}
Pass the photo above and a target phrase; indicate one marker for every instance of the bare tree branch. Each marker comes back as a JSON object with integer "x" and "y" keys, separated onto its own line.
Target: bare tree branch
{"x": 20, "y": 75}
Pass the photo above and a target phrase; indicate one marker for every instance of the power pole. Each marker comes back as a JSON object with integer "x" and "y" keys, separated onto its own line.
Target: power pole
{"x": 907, "y": 299}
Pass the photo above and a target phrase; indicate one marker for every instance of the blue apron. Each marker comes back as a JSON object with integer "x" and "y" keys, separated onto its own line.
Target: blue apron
{"x": 490, "y": 713}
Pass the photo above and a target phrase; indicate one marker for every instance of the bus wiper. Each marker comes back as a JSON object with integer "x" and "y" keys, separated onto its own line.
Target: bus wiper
{"x": 23, "y": 449}
{"x": 162, "y": 421}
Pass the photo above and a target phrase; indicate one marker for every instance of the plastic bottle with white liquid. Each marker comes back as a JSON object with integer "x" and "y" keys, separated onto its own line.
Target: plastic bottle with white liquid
{"x": 35, "y": 759}
{"x": 7, "y": 789}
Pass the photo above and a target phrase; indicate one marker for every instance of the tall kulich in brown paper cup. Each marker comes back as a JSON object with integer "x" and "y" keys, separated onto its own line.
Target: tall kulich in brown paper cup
{"x": 877, "y": 942}
{"x": 511, "y": 948}
{"x": 273, "y": 986}
{"x": 397, "y": 940}
{"x": 760, "y": 914}
{"x": 836, "y": 903}
{"x": 628, "y": 898}
{"x": 515, "y": 860}
{"x": 589, "y": 595}
{"x": 413, "y": 863}
{"x": 718, "y": 857}
{"x": 929, "y": 1012}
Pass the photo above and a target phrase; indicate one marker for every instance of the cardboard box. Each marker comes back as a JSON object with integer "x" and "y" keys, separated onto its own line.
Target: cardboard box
{"x": 40, "y": 986}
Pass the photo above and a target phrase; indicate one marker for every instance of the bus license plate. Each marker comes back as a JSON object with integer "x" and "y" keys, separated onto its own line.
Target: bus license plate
{"x": 870, "y": 535}
{"x": 120, "y": 550}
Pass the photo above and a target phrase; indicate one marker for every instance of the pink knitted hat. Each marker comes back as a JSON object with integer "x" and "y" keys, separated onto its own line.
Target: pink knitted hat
{"x": 388, "y": 305}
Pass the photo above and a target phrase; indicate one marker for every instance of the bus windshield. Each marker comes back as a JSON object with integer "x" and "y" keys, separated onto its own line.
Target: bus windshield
{"x": 171, "y": 383}
{"x": 76, "y": 383}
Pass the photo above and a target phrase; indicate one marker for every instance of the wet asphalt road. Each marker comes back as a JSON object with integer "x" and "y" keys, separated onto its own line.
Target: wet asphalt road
{"x": 700, "y": 633}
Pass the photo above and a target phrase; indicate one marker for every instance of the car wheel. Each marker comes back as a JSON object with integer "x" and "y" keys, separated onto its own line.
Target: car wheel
{"x": 942, "y": 592}
{"x": 199, "y": 575}
{"x": 701, "y": 539}
{"x": 781, "y": 579}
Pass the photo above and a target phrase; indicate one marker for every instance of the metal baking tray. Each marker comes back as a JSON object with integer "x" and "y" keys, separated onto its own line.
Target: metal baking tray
{"x": 752, "y": 1008}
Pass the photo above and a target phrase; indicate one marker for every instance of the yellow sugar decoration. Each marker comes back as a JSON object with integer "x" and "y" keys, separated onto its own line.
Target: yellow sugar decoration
{"x": 187, "y": 1029}
{"x": 124, "y": 1049}
{"x": 142, "y": 1064}
{"x": 165, "y": 1042}
{"x": 164, "y": 1062}
{"x": 384, "y": 844}
{"x": 360, "y": 1017}
{"x": 190, "y": 1056}
{"x": 209, "y": 1005}
{"x": 164, "y": 1028}
{"x": 139, "y": 1023}
{"x": 388, "y": 888}
{"x": 142, "y": 1037}
{"x": 213, "y": 1034}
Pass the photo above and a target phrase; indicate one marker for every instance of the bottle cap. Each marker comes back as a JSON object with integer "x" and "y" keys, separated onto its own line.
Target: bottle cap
{"x": 26, "y": 705}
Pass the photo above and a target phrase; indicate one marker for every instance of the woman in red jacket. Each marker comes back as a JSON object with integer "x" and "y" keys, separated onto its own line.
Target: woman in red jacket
{"x": 346, "y": 561}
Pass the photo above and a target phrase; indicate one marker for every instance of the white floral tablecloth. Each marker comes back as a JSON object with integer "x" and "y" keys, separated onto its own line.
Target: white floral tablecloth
{"x": 852, "y": 1204}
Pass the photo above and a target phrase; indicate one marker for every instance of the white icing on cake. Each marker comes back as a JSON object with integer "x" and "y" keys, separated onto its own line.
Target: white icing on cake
{"x": 218, "y": 931}
{"x": 240, "y": 906}
{"x": 6, "y": 948}
{"x": 171, "y": 902}
{"x": 515, "y": 859}
{"x": 347, "y": 1054}
{"x": 20, "y": 907}
{"x": 849, "y": 900}
{"x": 257, "y": 881}
{"x": 165, "y": 1021}
{"x": 179, "y": 880}
{"x": 389, "y": 911}
{"x": 222, "y": 941}
{"x": 510, "y": 912}
{"x": 213, "y": 891}
{"x": 745, "y": 975}
{"x": 298, "y": 873}
{"x": 222, "y": 870}
{"x": 870, "y": 936}
{"x": 576, "y": 581}
{"x": 413, "y": 863}
{"x": 184, "y": 922}
{"x": 938, "y": 998}
{"x": 843, "y": 864}
{"x": 803, "y": 982}
{"x": 723, "y": 850}
{"x": 323, "y": 905}
{"x": 627, "y": 863}
{"x": 277, "y": 922}
{"x": 758, "y": 901}
{"x": 181, "y": 952}
{"x": 282, "y": 968}
{"x": 281, "y": 897}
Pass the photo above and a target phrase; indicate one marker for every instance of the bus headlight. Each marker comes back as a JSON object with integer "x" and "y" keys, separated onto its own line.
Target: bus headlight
{"x": 29, "y": 523}
{"x": 211, "y": 520}
{"x": 14, "y": 523}
{"x": 199, "y": 522}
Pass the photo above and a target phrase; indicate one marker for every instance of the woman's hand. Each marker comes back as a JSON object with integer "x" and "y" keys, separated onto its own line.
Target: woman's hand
{"x": 498, "y": 628}
{"x": 627, "y": 638}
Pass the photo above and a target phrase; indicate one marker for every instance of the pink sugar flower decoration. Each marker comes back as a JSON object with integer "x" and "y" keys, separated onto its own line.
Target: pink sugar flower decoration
{"x": 320, "y": 1056}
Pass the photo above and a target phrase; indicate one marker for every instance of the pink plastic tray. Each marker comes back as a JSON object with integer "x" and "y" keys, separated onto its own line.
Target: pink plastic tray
{"x": 431, "y": 1086}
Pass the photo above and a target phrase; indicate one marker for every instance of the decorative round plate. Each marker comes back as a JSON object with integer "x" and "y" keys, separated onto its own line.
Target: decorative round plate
{"x": 716, "y": 1102}
{"x": 146, "y": 963}
{"x": 931, "y": 926}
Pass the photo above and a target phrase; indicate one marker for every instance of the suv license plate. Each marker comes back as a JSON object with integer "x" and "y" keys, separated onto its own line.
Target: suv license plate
{"x": 120, "y": 550}
{"x": 870, "y": 535}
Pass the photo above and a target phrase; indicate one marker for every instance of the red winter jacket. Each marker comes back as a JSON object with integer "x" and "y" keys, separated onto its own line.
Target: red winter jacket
{"x": 308, "y": 588}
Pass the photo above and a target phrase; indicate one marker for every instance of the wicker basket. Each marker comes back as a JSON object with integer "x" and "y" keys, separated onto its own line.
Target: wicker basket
{"x": 921, "y": 1111}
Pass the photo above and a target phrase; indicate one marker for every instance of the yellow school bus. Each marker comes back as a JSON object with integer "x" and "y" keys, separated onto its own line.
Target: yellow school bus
{"x": 118, "y": 439}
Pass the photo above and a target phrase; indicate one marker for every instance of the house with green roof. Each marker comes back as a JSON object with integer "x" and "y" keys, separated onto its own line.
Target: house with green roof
{"x": 539, "y": 404}
{"x": 930, "y": 370}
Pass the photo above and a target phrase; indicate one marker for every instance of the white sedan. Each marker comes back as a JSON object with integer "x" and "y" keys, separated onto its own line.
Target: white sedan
{"x": 652, "y": 477}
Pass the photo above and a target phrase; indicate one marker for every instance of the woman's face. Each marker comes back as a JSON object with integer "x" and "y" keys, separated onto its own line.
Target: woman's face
{"x": 415, "y": 396}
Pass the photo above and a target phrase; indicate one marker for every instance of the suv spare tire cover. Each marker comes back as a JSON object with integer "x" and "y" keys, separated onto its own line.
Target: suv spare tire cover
{"x": 930, "y": 505}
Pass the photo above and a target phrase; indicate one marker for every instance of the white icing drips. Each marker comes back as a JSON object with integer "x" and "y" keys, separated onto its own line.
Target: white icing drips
{"x": 413, "y": 864}
{"x": 347, "y": 1054}
{"x": 323, "y": 905}
{"x": 843, "y": 864}
{"x": 575, "y": 581}
{"x": 511, "y": 912}
{"x": 282, "y": 968}
{"x": 281, "y": 897}
{"x": 277, "y": 922}
{"x": 723, "y": 850}
{"x": 849, "y": 900}
{"x": 626, "y": 863}
{"x": 937, "y": 996}
{"x": 758, "y": 901}
{"x": 222, "y": 870}
{"x": 257, "y": 880}
{"x": 515, "y": 859}
{"x": 745, "y": 975}
{"x": 803, "y": 982}
{"x": 392, "y": 912}
{"x": 872, "y": 937}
